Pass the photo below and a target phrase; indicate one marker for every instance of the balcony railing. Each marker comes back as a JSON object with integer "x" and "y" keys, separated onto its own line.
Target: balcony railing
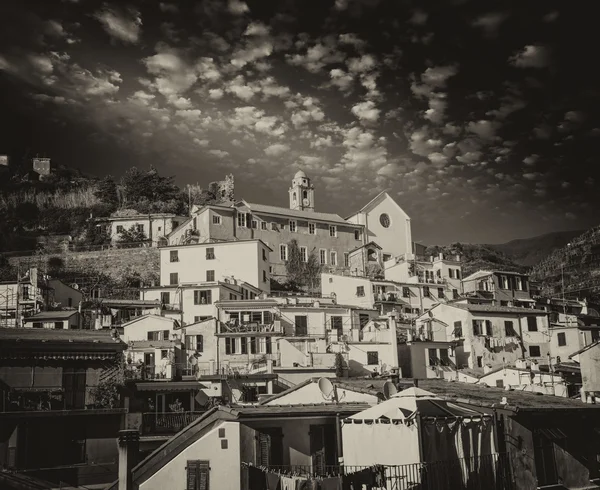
{"x": 167, "y": 422}
{"x": 226, "y": 328}
{"x": 137, "y": 372}
{"x": 488, "y": 472}
{"x": 50, "y": 398}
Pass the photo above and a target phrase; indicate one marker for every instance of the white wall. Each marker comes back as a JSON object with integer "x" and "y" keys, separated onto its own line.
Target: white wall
{"x": 242, "y": 259}
{"x": 224, "y": 463}
{"x": 65, "y": 295}
{"x": 345, "y": 289}
{"x": 522, "y": 381}
{"x": 395, "y": 240}
{"x": 138, "y": 330}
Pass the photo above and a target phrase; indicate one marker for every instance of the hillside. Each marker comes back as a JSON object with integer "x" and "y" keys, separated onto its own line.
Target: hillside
{"x": 580, "y": 261}
{"x": 530, "y": 251}
{"x": 477, "y": 257}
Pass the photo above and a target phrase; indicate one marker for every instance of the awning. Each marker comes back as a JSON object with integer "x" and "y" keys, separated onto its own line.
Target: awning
{"x": 170, "y": 386}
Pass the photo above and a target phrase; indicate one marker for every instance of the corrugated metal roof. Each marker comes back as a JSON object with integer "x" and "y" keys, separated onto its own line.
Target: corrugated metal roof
{"x": 497, "y": 309}
{"x": 305, "y": 215}
{"x": 53, "y": 335}
{"x": 51, "y": 315}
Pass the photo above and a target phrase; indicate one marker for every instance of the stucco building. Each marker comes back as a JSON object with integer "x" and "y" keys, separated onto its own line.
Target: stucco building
{"x": 499, "y": 288}
{"x": 155, "y": 227}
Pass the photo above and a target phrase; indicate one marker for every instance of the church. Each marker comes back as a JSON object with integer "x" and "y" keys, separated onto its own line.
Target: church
{"x": 329, "y": 236}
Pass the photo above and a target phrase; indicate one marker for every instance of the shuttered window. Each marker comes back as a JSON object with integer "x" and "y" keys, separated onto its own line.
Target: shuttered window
{"x": 198, "y": 477}
{"x": 269, "y": 450}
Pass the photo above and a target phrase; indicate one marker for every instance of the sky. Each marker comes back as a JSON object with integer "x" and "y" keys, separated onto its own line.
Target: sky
{"x": 478, "y": 118}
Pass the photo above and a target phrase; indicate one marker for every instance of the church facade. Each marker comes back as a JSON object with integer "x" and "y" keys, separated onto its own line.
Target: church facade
{"x": 329, "y": 236}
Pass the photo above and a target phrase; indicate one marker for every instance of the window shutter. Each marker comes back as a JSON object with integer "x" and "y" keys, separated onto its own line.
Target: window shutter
{"x": 197, "y": 475}
{"x": 475, "y": 328}
{"x": 199, "y": 343}
{"x": 264, "y": 449}
{"x": 488, "y": 328}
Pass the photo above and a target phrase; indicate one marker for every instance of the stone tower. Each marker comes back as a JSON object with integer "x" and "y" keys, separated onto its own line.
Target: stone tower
{"x": 223, "y": 190}
{"x": 302, "y": 193}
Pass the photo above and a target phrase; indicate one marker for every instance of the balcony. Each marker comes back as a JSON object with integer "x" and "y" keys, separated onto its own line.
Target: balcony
{"x": 144, "y": 373}
{"x": 155, "y": 423}
{"x": 231, "y": 328}
{"x": 49, "y": 399}
{"x": 261, "y": 365}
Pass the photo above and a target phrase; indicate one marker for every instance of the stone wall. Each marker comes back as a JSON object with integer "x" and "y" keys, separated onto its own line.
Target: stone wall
{"x": 113, "y": 262}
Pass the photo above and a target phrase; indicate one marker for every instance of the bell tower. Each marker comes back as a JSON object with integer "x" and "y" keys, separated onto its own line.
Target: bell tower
{"x": 302, "y": 193}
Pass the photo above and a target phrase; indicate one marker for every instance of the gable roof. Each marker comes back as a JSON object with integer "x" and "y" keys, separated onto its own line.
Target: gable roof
{"x": 305, "y": 215}
{"x": 146, "y": 317}
{"x": 376, "y": 200}
{"x": 587, "y": 347}
{"x": 370, "y": 244}
{"x": 51, "y": 315}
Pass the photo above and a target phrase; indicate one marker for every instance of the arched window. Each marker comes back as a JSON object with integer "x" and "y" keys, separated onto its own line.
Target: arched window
{"x": 294, "y": 197}
{"x": 371, "y": 255}
{"x": 305, "y": 194}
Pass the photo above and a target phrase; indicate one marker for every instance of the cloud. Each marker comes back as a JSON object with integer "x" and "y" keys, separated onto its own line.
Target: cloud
{"x": 257, "y": 45}
{"x": 532, "y": 56}
{"x": 276, "y": 150}
{"x": 486, "y": 130}
{"x": 215, "y": 93}
{"x": 168, "y": 7}
{"x": 352, "y": 39}
{"x": 237, "y": 7}
{"x": 419, "y": 18}
{"x": 310, "y": 112}
{"x": 219, "y": 153}
{"x": 252, "y": 118}
{"x": 190, "y": 115}
{"x": 490, "y": 23}
{"x": 574, "y": 116}
{"x": 324, "y": 52}
{"x": 238, "y": 87}
{"x": 341, "y": 79}
{"x": 119, "y": 24}
{"x": 41, "y": 63}
{"x": 438, "y": 159}
{"x": 531, "y": 159}
{"x": 54, "y": 28}
{"x": 363, "y": 151}
{"x": 366, "y": 111}
{"x": 363, "y": 64}
{"x": 433, "y": 80}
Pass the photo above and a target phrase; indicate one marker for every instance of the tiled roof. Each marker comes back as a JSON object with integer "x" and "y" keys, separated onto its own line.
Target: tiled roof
{"x": 477, "y": 395}
{"x": 53, "y": 335}
{"x": 306, "y": 409}
{"x": 156, "y": 344}
{"x": 497, "y": 309}
{"x": 51, "y": 315}
{"x": 307, "y": 215}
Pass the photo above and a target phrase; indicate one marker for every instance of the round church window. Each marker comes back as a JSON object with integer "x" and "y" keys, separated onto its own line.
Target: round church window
{"x": 384, "y": 219}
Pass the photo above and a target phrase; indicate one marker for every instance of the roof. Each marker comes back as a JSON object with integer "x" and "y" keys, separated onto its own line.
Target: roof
{"x": 24, "y": 336}
{"x": 497, "y": 309}
{"x": 587, "y": 347}
{"x": 51, "y": 315}
{"x": 213, "y": 243}
{"x": 169, "y": 385}
{"x": 370, "y": 244}
{"x": 294, "y": 213}
{"x": 129, "y": 302}
{"x": 140, "y": 216}
{"x": 146, "y": 317}
{"x": 154, "y": 344}
{"x": 477, "y": 395}
{"x": 252, "y": 303}
{"x": 484, "y": 273}
{"x": 214, "y": 417}
{"x": 300, "y": 174}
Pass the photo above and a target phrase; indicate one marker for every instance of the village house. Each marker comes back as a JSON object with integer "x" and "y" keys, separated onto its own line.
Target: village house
{"x": 155, "y": 227}
{"x": 48, "y": 395}
{"x": 246, "y": 260}
{"x": 489, "y": 335}
{"x": 58, "y": 319}
{"x": 498, "y": 288}
{"x": 409, "y": 299}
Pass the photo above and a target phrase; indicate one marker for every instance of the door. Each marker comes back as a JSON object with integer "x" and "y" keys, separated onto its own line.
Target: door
{"x": 74, "y": 388}
{"x": 301, "y": 325}
{"x": 269, "y": 450}
{"x": 337, "y": 324}
{"x": 322, "y": 447}
{"x": 545, "y": 461}
{"x": 149, "y": 365}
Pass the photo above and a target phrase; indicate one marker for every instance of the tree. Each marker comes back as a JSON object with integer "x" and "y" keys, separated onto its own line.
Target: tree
{"x": 300, "y": 272}
{"x": 107, "y": 192}
{"x": 131, "y": 237}
{"x": 150, "y": 192}
{"x": 55, "y": 265}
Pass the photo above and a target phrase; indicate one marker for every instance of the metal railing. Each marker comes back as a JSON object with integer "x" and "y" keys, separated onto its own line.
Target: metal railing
{"x": 167, "y": 422}
{"x": 488, "y": 472}
{"x": 50, "y": 398}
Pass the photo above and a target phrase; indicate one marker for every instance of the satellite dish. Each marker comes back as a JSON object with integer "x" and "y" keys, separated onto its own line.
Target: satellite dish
{"x": 75, "y": 286}
{"x": 326, "y": 387}
{"x": 389, "y": 390}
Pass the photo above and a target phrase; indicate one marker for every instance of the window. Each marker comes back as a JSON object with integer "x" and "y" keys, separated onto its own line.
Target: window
{"x": 532, "y": 324}
{"x": 457, "y": 273}
{"x": 455, "y": 294}
{"x": 252, "y": 345}
{"x": 477, "y": 327}
{"x": 323, "y": 257}
{"x": 357, "y": 234}
{"x": 139, "y": 228}
{"x": 457, "y": 329}
{"x": 244, "y": 345}
{"x": 230, "y": 345}
{"x": 312, "y": 229}
{"x": 503, "y": 282}
{"x": 518, "y": 284}
{"x": 372, "y": 358}
{"x": 451, "y": 273}
{"x": 337, "y": 324}
{"x": 201, "y": 318}
{"x": 210, "y": 253}
{"x": 534, "y": 351}
{"x": 273, "y": 226}
{"x": 254, "y": 224}
{"x": 264, "y": 276}
{"x": 70, "y": 302}
{"x": 165, "y": 298}
{"x": 509, "y": 329}
{"x": 241, "y": 221}
{"x": 405, "y": 292}
{"x": 333, "y": 257}
{"x": 384, "y": 219}
{"x": 360, "y": 291}
{"x": 197, "y": 475}
{"x": 194, "y": 342}
{"x": 562, "y": 339}
{"x": 283, "y": 252}
{"x": 346, "y": 259}
{"x": 489, "y": 331}
{"x": 58, "y": 325}
{"x": 264, "y": 254}
{"x": 332, "y": 230}
{"x": 263, "y": 225}
{"x": 479, "y": 361}
{"x": 440, "y": 292}
{"x": 293, "y": 227}
{"x": 210, "y": 276}
{"x": 119, "y": 229}
{"x": 216, "y": 220}
{"x": 363, "y": 319}
{"x": 303, "y": 254}
{"x": 173, "y": 278}
{"x": 202, "y": 297}
{"x": 425, "y": 291}
{"x": 174, "y": 256}
{"x": 387, "y": 257}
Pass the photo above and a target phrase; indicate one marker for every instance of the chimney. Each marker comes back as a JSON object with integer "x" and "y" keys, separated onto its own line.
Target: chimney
{"x": 441, "y": 256}
{"x": 416, "y": 383}
{"x": 129, "y": 445}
